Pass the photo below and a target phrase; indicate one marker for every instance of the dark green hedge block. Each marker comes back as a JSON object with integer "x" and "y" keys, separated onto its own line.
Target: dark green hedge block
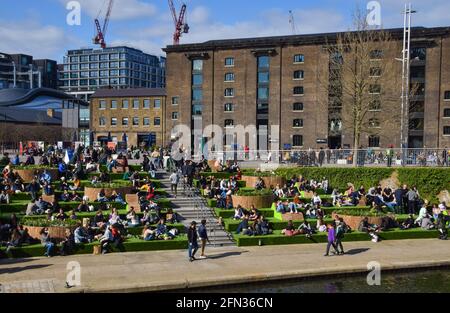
{"x": 230, "y": 213}
{"x": 219, "y": 175}
{"x": 130, "y": 245}
{"x": 212, "y": 203}
{"x": 278, "y": 239}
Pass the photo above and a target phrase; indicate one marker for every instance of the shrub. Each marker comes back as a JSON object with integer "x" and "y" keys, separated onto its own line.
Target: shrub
{"x": 115, "y": 184}
{"x": 254, "y": 192}
{"x": 43, "y": 222}
{"x": 34, "y": 167}
{"x": 429, "y": 181}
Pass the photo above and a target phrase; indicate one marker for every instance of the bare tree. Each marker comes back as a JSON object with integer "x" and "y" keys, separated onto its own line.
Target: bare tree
{"x": 363, "y": 82}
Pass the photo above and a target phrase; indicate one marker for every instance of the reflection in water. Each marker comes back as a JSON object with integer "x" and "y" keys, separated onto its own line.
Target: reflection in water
{"x": 431, "y": 281}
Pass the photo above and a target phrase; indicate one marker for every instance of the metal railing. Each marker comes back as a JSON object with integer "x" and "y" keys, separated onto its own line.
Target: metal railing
{"x": 341, "y": 157}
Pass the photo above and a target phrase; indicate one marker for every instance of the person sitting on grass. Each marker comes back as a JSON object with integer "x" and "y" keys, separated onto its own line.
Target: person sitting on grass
{"x": 293, "y": 207}
{"x": 74, "y": 197}
{"x": 290, "y": 230}
{"x": 83, "y": 207}
{"x": 114, "y": 217}
{"x": 321, "y": 226}
{"x": 148, "y": 233}
{"x": 80, "y": 234}
{"x": 423, "y": 213}
{"x": 171, "y": 216}
{"x": 47, "y": 242}
{"x": 262, "y": 227}
{"x": 238, "y": 213}
{"x": 99, "y": 219}
{"x": 132, "y": 218}
{"x": 48, "y": 189}
{"x": 371, "y": 229}
{"x": 65, "y": 197}
{"x": 306, "y": 228}
{"x": 15, "y": 240}
{"x": 161, "y": 228}
{"x": 4, "y": 197}
{"x": 408, "y": 223}
{"x": 101, "y": 196}
{"x": 68, "y": 244}
{"x": 280, "y": 207}
{"x": 61, "y": 215}
{"x": 243, "y": 225}
{"x": 259, "y": 185}
{"x": 73, "y": 216}
{"x": 254, "y": 214}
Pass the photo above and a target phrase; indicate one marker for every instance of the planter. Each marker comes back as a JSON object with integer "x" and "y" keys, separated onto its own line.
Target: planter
{"x": 58, "y": 233}
{"x": 260, "y": 202}
{"x": 28, "y": 174}
{"x": 354, "y": 221}
{"x": 92, "y": 192}
{"x": 250, "y": 181}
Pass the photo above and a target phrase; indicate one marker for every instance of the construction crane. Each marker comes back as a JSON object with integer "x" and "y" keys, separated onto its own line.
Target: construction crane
{"x": 292, "y": 22}
{"x": 99, "y": 39}
{"x": 181, "y": 26}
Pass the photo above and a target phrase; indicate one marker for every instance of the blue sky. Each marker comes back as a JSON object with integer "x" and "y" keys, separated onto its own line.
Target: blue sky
{"x": 39, "y": 28}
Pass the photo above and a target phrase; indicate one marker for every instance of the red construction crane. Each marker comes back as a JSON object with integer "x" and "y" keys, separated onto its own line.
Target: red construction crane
{"x": 99, "y": 39}
{"x": 181, "y": 27}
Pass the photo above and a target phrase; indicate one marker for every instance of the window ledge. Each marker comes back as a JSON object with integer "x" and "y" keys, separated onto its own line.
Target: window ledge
{"x": 299, "y": 95}
{"x": 299, "y": 62}
{"x": 298, "y": 79}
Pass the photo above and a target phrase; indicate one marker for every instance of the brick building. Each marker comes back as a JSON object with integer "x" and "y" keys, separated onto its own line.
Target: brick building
{"x": 138, "y": 114}
{"x": 274, "y": 83}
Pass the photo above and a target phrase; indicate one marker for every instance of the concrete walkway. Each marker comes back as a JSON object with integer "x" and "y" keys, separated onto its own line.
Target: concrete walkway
{"x": 169, "y": 270}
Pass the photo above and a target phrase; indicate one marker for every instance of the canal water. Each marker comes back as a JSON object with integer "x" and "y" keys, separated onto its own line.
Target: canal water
{"x": 429, "y": 281}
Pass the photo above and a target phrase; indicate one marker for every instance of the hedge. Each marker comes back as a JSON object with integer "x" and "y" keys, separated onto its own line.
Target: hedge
{"x": 230, "y": 213}
{"x": 130, "y": 245}
{"x": 279, "y": 239}
{"x": 429, "y": 181}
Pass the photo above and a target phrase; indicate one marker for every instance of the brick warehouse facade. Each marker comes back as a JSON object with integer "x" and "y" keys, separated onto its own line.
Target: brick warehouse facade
{"x": 138, "y": 113}
{"x": 222, "y": 82}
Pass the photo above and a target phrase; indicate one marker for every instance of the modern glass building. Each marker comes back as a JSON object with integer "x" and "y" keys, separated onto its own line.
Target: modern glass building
{"x": 86, "y": 70}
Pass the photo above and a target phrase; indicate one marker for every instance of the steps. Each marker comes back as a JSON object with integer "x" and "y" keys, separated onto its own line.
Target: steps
{"x": 192, "y": 207}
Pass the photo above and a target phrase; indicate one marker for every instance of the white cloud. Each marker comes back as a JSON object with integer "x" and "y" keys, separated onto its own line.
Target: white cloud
{"x": 122, "y": 9}
{"x": 29, "y": 37}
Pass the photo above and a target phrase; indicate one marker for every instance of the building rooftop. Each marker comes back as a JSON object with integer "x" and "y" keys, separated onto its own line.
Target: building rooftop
{"x": 15, "y": 115}
{"x": 17, "y": 96}
{"x": 310, "y": 39}
{"x": 130, "y": 92}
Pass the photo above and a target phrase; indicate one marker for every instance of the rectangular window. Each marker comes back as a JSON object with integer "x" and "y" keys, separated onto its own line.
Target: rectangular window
{"x": 375, "y": 72}
{"x": 104, "y": 57}
{"x": 197, "y": 79}
{"x": 114, "y": 73}
{"x": 228, "y": 107}
{"x": 197, "y": 65}
{"x": 262, "y": 108}
{"x": 297, "y": 123}
{"x": 93, "y": 58}
{"x": 135, "y": 104}
{"x": 157, "y": 104}
{"x": 104, "y": 65}
{"x": 229, "y": 123}
{"x": 93, "y": 66}
{"x": 146, "y": 104}
{"x": 375, "y": 105}
{"x": 263, "y": 93}
{"x": 93, "y": 74}
{"x": 174, "y": 115}
{"x": 74, "y": 67}
{"x": 263, "y": 77}
{"x": 102, "y": 104}
{"x": 374, "y": 89}
{"x": 229, "y": 77}
{"x": 136, "y": 121}
{"x": 299, "y": 74}
{"x": 374, "y": 142}
{"x": 229, "y": 61}
{"x": 84, "y": 58}
{"x": 113, "y": 104}
{"x": 229, "y": 92}
{"x": 376, "y": 54}
{"x": 103, "y": 73}
{"x": 263, "y": 61}
{"x": 84, "y": 66}
{"x": 298, "y": 106}
{"x": 157, "y": 121}
{"x": 197, "y": 109}
{"x": 418, "y": 54}
{"x": 298, "y": 91}
{"x": 446, "y": 112}
{"x": 125, "y": 104}
{"x": 146, "y": 121}
{"x": 125, "y": 121}
{"x": 102, "y": 121}
{"x": 446, "y": 130}
{"x": 297, "y": 140}
{"x": 447, "y": 95}
{"x": 299, "y": 58}
{"x": 113, "y": 121}
{"x": 175, "y": 100}
{"x": 374, "y": 123}
{"x": 197, "y": 95}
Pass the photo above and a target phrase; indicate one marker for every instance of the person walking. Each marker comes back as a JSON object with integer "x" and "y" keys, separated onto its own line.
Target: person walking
{"x": 331, "y": 240}
{"x": 192, "y": 240}
{"x": 174, "y": 180}
{"x": 340, "y": 231}
{"x": 203, "y": 234}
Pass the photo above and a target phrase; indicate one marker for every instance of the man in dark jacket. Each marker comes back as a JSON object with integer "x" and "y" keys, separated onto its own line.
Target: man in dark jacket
{"x": 203, "y": 234}
{"x": 192, "y": 240}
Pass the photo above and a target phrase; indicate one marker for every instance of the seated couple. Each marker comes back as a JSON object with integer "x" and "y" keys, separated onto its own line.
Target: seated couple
{"x": 304, "y": 229}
